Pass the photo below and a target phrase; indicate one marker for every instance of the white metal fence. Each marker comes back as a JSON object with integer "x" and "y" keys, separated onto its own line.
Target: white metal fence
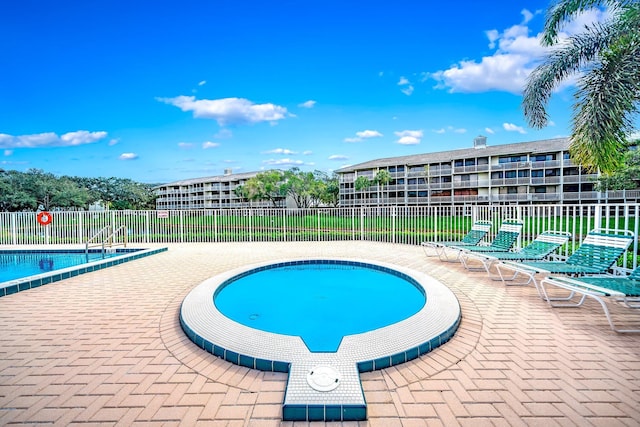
{"x": 393, "y": 224}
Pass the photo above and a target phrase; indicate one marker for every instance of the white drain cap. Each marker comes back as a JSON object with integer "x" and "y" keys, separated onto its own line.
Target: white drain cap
{"x": 323, "y": 378}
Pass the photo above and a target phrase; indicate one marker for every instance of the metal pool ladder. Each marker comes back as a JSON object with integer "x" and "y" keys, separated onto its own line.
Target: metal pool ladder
{"x": 109, "y": 240}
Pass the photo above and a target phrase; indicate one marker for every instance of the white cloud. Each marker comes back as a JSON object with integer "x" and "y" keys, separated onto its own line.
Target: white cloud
{"x": 8, "y": 153}
{"x": 406, "y": 86}
{"x": 202, "y": 83}
{"x": 51, "y": 139}
{"x": 113, "y": 142}
{"x": 409, "y": 137}
{"x": 450, "y": 129}
{"x": 282, "y": 162}
{"x": 510, "y": 127}
{"x": 364, "y": 134}
{"x": 307, "y": 104}
{"x": 337, "y": 157}
{"x": 128, "y": 156}
{"x": 517, "y": 54}
{"x": 307, "y": 152}
{"x": 284, "y": 151}
{"x": 185, "y": 145}
{"x": 228, "y": 110}
{"x": 489, "y": 130}
{"x": 208, "y": 144}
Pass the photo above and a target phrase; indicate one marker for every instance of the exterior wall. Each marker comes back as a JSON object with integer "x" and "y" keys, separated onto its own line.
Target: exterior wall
{"x": 524, "y": 175}
{"x": 215, "y": 192}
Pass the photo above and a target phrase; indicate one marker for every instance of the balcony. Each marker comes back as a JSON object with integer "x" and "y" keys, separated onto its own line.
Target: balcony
{"x": 545, "y": 180}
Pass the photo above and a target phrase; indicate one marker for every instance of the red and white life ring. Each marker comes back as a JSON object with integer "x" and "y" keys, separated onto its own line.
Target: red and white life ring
{"x": 44, "y": 218}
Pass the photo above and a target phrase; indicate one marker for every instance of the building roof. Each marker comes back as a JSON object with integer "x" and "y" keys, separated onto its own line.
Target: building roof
{"x": 532, "y": 147}
{"x": 217, "y": 178}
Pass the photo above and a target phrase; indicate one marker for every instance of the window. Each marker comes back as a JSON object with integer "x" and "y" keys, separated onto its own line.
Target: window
{"x": 540, "y": 190}
{"x": 465, "y": 178}
{"x": 512, "y": 190}
{"x": 510, "y": 174}
{"x": 543, "y": 157}
{"x": 470, "y": 162}
{"x": 497, "y": 175}
{"x": 483, "y": 161}
{"x": 512, "y": 159}
{"x": 539, "y": 173}
{"x": 523, "y": 174}
{"x": 400, "y": 168}
{"x": 458, "y": 163}
{"x": 551, "y": 172}
{"x": 412, "y": 181}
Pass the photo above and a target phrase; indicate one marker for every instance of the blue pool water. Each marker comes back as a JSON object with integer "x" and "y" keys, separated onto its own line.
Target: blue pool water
{"x": 319, "y": 302}
{"x": 20, "y": 264}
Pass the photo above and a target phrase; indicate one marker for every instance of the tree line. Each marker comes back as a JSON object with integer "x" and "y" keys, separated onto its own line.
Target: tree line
{"x": 36, "y": 189}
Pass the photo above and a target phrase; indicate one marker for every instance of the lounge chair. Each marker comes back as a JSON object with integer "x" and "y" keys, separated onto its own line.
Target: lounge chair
{"x": 473, "y": 237}
{"x": 624, "y": 289}
{"x": 596, "y": 255}
{"x": 544, "y": 245}
{"x": 506, "y": 237}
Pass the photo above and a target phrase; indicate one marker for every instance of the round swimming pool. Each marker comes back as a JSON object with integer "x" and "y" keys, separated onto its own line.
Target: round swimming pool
{"x": 323, "y": 329}
{"x": 318, "y": 301}
{"x": 399, "y": 335}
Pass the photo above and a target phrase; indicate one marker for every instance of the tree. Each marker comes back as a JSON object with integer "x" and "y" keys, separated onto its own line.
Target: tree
{"x": 326, "y": 189}
{"x": 362, "y": 183}
{"x": 626, "y": 178}
{"x": 269, "y": 185}
{"x": 607, "y": 59}
{"x": 299, "y": 186}
{"x": 382, "y": 178}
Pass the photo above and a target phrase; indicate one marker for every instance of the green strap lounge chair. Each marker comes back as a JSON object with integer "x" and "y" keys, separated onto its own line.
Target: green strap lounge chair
{"x": 596, "y": 255}
{"x": 624, "y": 289}
{"x": 544, "y": 245}
{"x": 506, "y": 237}
{"x": 478, "y": 231}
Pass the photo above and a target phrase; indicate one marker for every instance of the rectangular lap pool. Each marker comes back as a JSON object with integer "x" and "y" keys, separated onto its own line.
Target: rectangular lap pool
{"x": 25, "y": 269}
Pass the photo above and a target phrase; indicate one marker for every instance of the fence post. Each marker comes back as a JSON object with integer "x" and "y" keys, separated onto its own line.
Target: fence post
{"x": 181, "y": 226}
{"x": 80, "y": 224}
{"x": 361, "y": 223}
{"x": 147, "y": 221}
{"x": 14, "y": 235}
{"x": 250, "y": 225}
{"x": 393, "y": 224}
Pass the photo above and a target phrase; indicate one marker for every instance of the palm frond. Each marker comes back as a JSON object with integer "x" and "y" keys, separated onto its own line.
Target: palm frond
{"x": 607, "y": 100}
{"x": 565, "y": 10}
{"x": 560, "y": 64}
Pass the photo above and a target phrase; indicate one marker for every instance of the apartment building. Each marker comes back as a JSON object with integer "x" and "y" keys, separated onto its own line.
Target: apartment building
{"x": 527, "y": 172}
{"x": 213, "y": 192}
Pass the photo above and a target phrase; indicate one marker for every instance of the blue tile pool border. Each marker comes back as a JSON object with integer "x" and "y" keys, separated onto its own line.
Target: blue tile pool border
{"x": 18, "y": 285}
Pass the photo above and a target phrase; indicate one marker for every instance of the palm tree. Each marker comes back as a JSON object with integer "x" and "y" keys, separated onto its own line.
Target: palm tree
{"x": 382, "y": 178}
{"x": 606, "y": 58}
{"x": 362, "y": 183}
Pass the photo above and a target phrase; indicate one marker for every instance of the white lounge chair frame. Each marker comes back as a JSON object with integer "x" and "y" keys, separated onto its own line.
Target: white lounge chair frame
{"x": 588, "y": 290}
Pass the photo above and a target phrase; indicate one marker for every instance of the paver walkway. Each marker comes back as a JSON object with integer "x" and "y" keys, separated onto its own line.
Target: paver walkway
{"x": 105, "y": 348}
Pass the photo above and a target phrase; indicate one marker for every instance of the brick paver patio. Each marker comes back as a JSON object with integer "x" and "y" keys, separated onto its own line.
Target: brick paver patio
{"x": 106, "y": 348}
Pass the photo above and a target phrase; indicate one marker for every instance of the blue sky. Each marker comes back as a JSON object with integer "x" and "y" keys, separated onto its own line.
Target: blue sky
{"x": 161, "y": 91}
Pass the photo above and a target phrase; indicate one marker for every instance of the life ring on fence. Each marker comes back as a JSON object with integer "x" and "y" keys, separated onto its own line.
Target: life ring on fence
{"x": 44, "y": 218}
